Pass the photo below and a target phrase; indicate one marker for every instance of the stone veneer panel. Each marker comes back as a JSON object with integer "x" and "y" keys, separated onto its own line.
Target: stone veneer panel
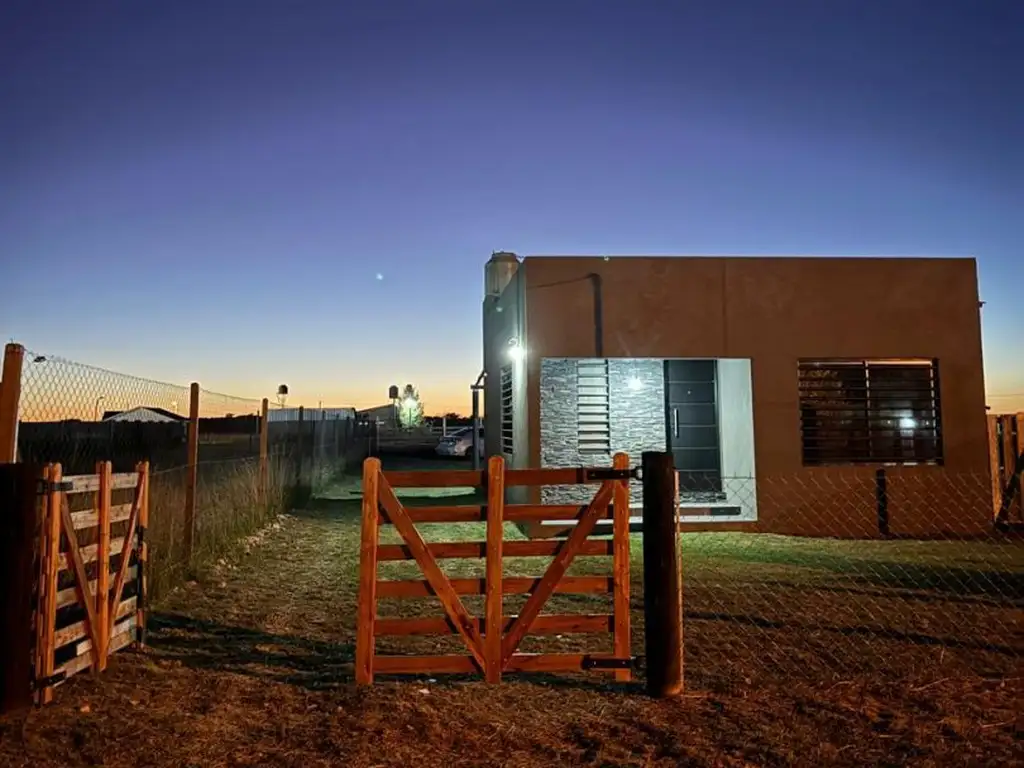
{"x": 637, "y": 420}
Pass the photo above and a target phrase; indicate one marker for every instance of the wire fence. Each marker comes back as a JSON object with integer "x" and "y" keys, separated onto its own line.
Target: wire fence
{"x": 78, "y": 415}
{"x": 842, "y": 575}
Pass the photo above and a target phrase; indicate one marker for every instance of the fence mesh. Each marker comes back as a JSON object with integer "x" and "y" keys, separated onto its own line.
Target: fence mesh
{"x": 827, "y": 596}
{"x": 77, "y": 415}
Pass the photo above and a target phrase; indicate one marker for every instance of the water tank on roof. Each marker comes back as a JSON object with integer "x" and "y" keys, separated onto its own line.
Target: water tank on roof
{"x": 499, "y": 272}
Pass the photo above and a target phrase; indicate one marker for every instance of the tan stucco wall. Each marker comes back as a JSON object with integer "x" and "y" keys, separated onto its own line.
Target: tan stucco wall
{"x": 776, "y": 311}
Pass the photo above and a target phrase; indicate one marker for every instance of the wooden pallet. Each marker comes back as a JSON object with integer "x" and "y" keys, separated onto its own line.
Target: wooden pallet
{"x": 83, "y": 615}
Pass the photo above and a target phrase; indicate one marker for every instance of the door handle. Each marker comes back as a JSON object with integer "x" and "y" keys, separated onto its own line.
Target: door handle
{"x": 675, "y": 422}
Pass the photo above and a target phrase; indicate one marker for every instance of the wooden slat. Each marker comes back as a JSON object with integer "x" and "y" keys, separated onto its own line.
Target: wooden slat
{"x": 451, "y": 478}
{"x": 80, "y": 629}
{"x": 554, "y": 624}
{"x": 126, "y": 548}
{"x": 69, "y": 596}
{"x": 88, "y": 553}
{"x": 470, "y": 478}
{"x": 620, "y": 567}
{"x": 83, "y": 661}
{"x": 86, "y": 483}
{"x": 104, "y": 622}
{"x": 556, "y": 570}
{"x": 438, "y": 581}
{"x": 464, "y": 513}
{"x": 121, "y": 628}
{"x": 477, "y": 549}
{"x": 993, "y": 459}
{"x": 52, "y": 562}
{"x": 367, "y": 599}
{"x": 514, "y": 585}
{"x": 522, "y": 513}
{"x": 450, "y": 664}
{"x": 89, "y": 518}
{"x": 73, "y": 559}
{"x": 551, "y": 476}
{"x": 513, "y": 513}
{"x": 494, "y": 569}
{"x": 143, "y": 554}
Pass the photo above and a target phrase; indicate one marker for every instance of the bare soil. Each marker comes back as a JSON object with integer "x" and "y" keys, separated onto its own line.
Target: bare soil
{"x": 797, "y": 654}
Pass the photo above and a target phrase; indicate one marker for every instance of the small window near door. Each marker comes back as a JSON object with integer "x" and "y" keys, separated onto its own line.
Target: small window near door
{"x": 593, "y": 406}
{"x": 870, "y": 412}
{"x": 506, "y": 410}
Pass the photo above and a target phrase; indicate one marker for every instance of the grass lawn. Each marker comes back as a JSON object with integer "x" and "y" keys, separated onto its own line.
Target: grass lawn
{"x": 798, "y": 651}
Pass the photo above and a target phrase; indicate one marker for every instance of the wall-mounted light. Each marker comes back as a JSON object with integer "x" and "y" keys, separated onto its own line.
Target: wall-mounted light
{"x": 634, "y": 383}
{"x": 516, "y": 351}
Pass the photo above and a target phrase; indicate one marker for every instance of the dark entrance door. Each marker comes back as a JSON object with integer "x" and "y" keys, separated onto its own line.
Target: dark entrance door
{"x": 691, "y": 423}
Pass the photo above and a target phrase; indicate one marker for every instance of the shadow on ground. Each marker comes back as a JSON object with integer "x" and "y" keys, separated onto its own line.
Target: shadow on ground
{"x": 208, "y": 645}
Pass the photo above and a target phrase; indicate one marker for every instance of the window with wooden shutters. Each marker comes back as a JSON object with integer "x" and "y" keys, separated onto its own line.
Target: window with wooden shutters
{"x": 506, "y": 410}
{"x": 865, "y": 412}
{"x": 592, "y": 406}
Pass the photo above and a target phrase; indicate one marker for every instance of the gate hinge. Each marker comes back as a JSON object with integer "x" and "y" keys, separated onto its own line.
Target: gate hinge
{"x": 597, "y": 662}
{"x": 46, "y": 682}
{"x": 48, "y": 486}
{"x": 610, "y": 473}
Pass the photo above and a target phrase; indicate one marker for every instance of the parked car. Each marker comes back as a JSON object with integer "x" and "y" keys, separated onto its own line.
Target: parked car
{"x": 460, "y": 443}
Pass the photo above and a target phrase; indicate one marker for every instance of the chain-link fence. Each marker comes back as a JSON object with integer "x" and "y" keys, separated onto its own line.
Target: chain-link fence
{"x": 844, "y": 575}
{"x": 77, "y": 415}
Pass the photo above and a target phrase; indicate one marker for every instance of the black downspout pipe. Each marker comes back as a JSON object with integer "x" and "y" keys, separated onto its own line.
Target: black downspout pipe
{"x": 595, "y": 280}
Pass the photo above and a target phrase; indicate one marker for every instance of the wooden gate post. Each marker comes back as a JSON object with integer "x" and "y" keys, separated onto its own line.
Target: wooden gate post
{"x": 10, "y": 396}
{"x": 192, "y": 486}
{"x": 19, "y": 498}
{"x": 367, "y": 600}
{"x": 663, "y": 588}
{"x": 494, "y": 619}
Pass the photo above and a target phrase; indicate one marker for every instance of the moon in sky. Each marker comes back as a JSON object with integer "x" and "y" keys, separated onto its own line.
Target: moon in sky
{"x": 380, "y": 276}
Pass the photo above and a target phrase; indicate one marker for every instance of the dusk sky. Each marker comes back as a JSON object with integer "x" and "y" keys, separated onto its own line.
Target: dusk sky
{"x": 208, "y": 190}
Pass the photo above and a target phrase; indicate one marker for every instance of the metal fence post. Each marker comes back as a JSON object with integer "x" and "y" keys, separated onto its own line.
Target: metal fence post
{"x": 882, "y": 501}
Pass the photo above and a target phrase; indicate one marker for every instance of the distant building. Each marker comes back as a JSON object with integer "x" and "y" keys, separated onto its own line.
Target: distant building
{"x": 310, "y": 414}
{"x": 145, "y": 414}
{"x": 381, "y": 414}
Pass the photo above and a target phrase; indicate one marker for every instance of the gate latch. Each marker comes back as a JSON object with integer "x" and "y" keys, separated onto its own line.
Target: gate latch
{"x": 597, "y": 662}
{"x": 610, "y": 473}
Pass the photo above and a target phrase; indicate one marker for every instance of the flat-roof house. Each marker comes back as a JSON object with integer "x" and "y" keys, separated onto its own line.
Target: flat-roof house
{"x": 780, "y": 385}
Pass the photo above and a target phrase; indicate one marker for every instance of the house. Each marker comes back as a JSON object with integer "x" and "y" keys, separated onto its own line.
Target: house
{"x": 149, "y": 414}
{"x": 385, "y": 415}
{"x": 780, "y": 385}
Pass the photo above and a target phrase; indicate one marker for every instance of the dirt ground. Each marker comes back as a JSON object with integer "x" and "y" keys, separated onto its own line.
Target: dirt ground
{"x": 251, "y": 665}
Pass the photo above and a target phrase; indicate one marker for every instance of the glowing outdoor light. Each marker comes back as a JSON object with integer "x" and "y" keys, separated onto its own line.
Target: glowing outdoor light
{"x": 907, "y": 423}
{"x": 515, "y": 350}
{"x": 634, "y": 383}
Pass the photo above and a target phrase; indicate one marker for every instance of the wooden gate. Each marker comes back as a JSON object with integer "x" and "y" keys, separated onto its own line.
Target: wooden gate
{"x": 492, "y": 641}
{"x": 83, "y": 614}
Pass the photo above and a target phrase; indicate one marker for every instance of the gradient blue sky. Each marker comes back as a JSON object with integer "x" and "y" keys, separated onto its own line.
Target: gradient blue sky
{"x": 207, "y": 190}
